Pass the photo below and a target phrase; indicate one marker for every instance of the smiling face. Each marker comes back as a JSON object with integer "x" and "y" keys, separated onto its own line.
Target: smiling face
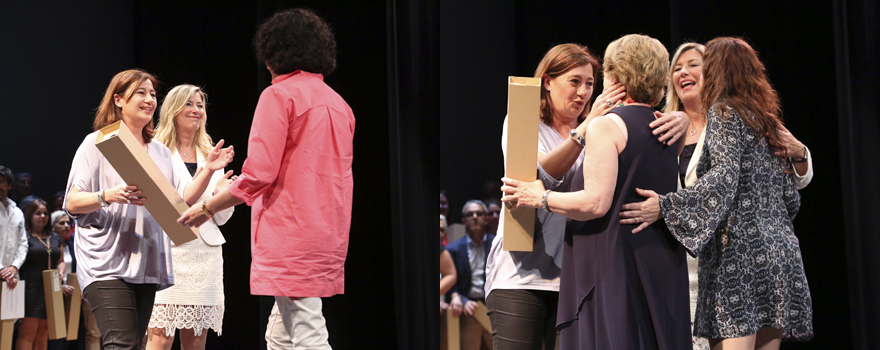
{"x": 138, "y": 110}
{"x": 190, "y": 118}
{"x": 686, "y": 76}
{"x": 40, "y": 218}
{"x": 570, "y": 92}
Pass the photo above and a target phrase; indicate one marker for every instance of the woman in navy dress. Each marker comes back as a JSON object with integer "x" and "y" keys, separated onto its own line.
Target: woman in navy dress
{"x": 618, "y": 290}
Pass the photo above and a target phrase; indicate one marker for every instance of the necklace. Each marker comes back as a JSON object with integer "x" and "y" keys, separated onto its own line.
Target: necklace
{"x": 694, "y": 131}
{"x": 48, "y": 250}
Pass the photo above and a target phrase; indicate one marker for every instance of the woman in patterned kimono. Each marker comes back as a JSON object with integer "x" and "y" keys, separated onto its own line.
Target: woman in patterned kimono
{"x": 737, "y": 217}
{"x": 196, "y": 302}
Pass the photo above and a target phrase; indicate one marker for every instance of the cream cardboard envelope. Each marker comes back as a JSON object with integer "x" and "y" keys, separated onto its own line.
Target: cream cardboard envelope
{"x": 135, "y": 166}
{"x": 523, "y": 116}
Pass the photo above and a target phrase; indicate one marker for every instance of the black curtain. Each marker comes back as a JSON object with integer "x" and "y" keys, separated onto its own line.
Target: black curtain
{"x": 413, "y": 120}
{"x": 858, "y": 93}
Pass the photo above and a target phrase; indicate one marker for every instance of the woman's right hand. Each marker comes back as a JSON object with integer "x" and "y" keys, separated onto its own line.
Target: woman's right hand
{"x": 642, "y": 213}
{"x": 670, "y": 126}
{"x": 613, "y": 94}
{"x": 224, "y": 182}
{"x": 124, "y": 194}
{"x": 455, "y": 305}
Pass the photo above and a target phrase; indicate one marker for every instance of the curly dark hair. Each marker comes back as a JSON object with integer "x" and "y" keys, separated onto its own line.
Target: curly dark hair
{"x": 296, "y": 39}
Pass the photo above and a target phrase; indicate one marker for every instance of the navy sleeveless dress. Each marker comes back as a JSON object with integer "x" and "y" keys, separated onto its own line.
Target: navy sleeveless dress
{"x": 621, "y": 290}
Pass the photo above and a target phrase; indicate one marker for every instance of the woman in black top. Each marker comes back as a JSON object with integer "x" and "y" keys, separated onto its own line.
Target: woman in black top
{"x": 44, "y": 253}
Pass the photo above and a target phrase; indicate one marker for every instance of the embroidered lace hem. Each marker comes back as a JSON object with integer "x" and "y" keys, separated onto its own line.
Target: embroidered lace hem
{"x": 198, "y": 317}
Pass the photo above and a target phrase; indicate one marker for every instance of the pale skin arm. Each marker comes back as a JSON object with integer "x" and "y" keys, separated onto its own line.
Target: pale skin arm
{"x": 447, "y": 269}
{"x": 606, "y": 139}
{"x": 217, "y": 159}
{"x": 86, "y": 202}
{"x": 455, "y": 304}
{"x": 195, "y": 216}
{"x": 558, "y": 161}
{"x": 62, "y": 268}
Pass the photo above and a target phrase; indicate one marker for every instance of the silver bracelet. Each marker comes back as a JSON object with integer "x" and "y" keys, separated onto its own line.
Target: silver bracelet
{"x": 544, "y": 201}
{"x": 101, "y": 200}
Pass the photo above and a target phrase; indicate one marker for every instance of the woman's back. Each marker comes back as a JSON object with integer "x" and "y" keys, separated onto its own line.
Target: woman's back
{"x": 621, "y": 290}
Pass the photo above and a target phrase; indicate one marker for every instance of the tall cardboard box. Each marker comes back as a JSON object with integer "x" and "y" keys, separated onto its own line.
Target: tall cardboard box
{"x": 521, "y": 163}
{"x": 72, "y": 307}
{"x": 11, "y": 308}
{"x": 54, "y": 304}
{"x": 135, "y": 166}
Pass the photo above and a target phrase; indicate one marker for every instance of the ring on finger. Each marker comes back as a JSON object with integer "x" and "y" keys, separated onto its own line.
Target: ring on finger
{"x": 608, "y": 103}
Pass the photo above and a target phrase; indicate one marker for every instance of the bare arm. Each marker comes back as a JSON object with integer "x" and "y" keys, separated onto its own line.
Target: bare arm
{"x": 447, "y": 270}
{"x": 558, "y": 161}
{"x": 217, "y": 159}
{"x": 195, "y": 215}
{"x": 87, "y": 202}
{"x": 605, "y": 139}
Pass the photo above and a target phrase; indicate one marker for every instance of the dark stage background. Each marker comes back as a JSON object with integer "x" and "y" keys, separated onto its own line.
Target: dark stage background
{"x": 426, "y": 80}
{"x": 810, "y": 50}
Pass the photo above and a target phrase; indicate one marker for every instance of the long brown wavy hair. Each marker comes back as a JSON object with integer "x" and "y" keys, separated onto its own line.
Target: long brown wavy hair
{"x": 557, "y": 61}
{"x": 733, "y": 74}
{"x": 124, "y": 84}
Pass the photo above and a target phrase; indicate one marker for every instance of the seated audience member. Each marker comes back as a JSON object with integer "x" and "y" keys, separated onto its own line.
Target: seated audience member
{"x": 21, "y": 188}
{"x": 469, "y": 256}
{"x": 493, "y": 205}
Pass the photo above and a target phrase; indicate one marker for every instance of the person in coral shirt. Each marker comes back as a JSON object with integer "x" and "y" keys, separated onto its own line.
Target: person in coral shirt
{"x": 297, "y": 176}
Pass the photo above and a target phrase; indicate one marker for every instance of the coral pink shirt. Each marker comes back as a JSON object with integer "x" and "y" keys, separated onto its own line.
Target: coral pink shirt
{"x": 297, "y": 179}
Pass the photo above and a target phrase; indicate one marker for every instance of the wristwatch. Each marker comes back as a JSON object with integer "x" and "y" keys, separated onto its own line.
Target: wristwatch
{"x": 577, "y": 138}
{"x": 101, "y": 201}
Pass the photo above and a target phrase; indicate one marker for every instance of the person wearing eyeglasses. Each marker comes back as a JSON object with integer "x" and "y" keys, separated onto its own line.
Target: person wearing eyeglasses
{"x": 469, "y": 256}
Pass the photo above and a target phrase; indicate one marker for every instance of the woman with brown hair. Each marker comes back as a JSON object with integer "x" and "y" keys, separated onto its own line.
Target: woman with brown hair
{"x": 519, "y": 277}
{"x": 618, "y": 291}
{"x": 44, "y": 253}
{"x": 737, "y": 216}
{"x": 123, "y": 256}
{"x": 683, "y": 98}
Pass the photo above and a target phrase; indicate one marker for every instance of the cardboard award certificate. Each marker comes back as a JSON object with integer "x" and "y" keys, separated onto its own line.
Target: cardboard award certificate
{"x": 11, "y": 308}
{"x": 135, "y": 166}
{"x": 521, "y": 163}
{"x": 54, "y": 304}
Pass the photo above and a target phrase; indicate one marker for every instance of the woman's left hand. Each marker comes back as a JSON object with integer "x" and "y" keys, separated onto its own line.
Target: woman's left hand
{"x": 219, "y": 158}
{"x": 67, "y": 290}
{"x": 641, "y": 213}
{"x": 790, "y": 146}
{"x": 518, "y": 194}
{"x": 670, "y": 126}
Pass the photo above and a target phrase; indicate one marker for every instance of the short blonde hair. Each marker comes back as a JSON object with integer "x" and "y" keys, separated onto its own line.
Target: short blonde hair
{"x": 673, "y": 103}
{"x": 641, "y": 64}
{"x": 172, "y": 105}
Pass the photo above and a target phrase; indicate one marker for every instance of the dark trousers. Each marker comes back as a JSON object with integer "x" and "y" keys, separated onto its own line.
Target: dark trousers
{"x": 122, "y": 311}
{"x": 523, "y": 319}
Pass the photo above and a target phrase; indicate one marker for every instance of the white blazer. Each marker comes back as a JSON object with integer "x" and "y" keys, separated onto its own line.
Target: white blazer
{"x": 209, "y": 232}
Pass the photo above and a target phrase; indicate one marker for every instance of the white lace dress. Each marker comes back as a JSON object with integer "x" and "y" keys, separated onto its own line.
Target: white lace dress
{"x": 196, "y": 301}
